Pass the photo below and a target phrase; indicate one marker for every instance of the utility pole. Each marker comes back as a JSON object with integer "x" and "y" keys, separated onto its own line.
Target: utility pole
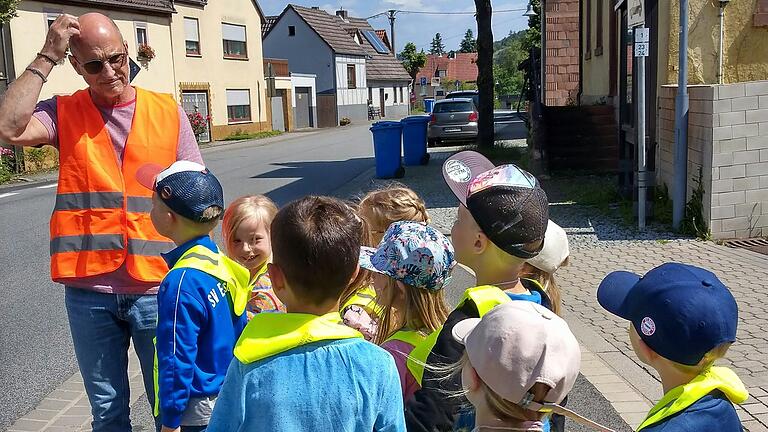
{"x": 391, "y": 15}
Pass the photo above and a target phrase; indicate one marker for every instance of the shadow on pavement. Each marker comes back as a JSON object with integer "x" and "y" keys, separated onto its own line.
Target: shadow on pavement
{"x": 316, "y": 177}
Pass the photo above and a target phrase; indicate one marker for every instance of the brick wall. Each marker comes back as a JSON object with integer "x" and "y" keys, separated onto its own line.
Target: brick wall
{"x": 561, "y": 50}
{"x": 728, "y": 138}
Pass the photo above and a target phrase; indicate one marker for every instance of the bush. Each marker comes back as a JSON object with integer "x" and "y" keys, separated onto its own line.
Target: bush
{"x": 7, "y": 164}
{"x": 345, "y": 121}
{"x": 239, "y": 135}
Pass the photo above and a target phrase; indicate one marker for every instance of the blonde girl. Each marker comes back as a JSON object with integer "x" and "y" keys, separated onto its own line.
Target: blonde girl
{"x": 357, "y": 306}
{"x": 542, "y": 268}
{"x": 397, "y": 203}
{"x": 411, "y": 266}
{"x": 246, "y": 235}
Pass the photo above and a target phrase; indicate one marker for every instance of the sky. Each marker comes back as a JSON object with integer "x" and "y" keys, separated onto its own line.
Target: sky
{"x": 420, "y": 28}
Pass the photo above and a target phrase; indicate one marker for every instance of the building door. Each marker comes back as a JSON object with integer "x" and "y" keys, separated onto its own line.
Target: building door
{"x": 382, "y": 102}
{"x": 303, "y": 107}
{"x": 278, "y": 117}
{"x": 197, "y": 101}
{"x": 327, "y": 110}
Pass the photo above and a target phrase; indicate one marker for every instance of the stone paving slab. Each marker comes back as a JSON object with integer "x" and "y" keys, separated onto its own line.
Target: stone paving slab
{"x": 66, "y": 408}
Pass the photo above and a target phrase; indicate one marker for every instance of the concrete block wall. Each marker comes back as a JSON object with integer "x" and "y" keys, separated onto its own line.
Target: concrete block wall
{"x": 728, "y": 139}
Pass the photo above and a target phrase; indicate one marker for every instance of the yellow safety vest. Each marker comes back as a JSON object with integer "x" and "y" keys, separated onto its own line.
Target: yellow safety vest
{"x": 221, "y": 267}
{"x": 414, "y": 364}
{"x": 485, "y": 297}
{"x": 366, "y": 299}
{"x": 267, "y": 335}
{"x": 682, "y": 397}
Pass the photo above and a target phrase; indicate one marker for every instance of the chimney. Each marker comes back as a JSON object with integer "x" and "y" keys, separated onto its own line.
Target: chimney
{"x": 316, "y": 7}
{"x": 341, "y": 13}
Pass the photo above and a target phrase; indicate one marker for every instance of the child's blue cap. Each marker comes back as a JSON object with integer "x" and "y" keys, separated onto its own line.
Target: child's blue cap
{"x": 413, "y": 253}
{"x": 680, "y": 311}
{"x": 186, "y": 187}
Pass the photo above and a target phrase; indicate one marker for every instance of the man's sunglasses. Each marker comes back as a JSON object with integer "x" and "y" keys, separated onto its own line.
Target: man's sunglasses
{"x": 94, "y": 67}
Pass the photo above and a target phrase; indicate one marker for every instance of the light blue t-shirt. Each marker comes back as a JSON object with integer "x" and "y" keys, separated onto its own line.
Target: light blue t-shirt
{"x": 339, "y": 385}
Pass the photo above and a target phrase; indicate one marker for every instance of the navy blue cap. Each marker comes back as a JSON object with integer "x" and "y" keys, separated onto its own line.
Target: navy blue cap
{"x": 186, "y": 187}
{"x": 680, "y": 311}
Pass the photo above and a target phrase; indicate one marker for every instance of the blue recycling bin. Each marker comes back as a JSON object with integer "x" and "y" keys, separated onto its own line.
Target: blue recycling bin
{"x": 415, "y": 140}
{"x": 386, "y": 148}
{"x": 428, "y": 105}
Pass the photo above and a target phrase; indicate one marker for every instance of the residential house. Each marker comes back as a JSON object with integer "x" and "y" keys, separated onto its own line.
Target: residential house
{"x": 338, "y": 51}
{"x": 727, "y": 142}
{"x": 441, "y": 73}
{"x": 208, "y": 58}
{"x": 147, "y": 21}
{"x": 387, "y": 80}
{"x": 219, "y": 67}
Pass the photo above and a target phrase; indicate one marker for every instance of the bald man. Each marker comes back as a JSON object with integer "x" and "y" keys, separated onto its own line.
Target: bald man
{"x": 104, "y": 249}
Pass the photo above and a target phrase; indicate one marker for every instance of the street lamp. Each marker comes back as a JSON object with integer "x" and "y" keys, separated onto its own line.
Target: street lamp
{"x": 530, "y": 12}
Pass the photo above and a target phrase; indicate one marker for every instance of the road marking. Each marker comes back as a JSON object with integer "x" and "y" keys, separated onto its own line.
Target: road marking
{"x": 48, "y": 186}
{"x": 8, "y": 194}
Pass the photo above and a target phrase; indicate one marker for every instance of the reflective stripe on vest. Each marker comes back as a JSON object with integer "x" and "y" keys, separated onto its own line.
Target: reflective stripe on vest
{"x": 101, "y": 217}
{"x": 485, "y": 297}
{"x": 414, "y": 361}
{"x": 366, "y": 299}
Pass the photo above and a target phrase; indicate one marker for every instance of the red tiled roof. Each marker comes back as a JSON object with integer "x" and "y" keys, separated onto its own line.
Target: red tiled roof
{"x": 382, "y": 34}
{"x": 462, "y": 67}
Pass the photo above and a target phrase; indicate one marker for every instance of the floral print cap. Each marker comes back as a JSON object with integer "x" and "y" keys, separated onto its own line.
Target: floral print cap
{"x": 413, "y": 253}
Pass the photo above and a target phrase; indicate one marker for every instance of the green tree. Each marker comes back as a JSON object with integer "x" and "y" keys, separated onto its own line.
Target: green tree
{"x": 412, "y": 61}
{"x": 468, "y": 44}
{"x": 437, "y": 47}
{"x": 507, "y": 56}
{"x": 8, "y": 10}
{"x": 533, "y": 34}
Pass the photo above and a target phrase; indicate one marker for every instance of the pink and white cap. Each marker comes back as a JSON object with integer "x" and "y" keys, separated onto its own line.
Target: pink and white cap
{"x": 519, "y": 344}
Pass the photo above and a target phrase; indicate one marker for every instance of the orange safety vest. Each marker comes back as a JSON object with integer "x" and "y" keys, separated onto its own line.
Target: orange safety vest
{"x": 101, "y": 218}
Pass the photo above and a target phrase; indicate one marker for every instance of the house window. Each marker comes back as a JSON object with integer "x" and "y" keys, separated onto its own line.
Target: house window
{"x": 234, "y": 41}
{"x": 238, "y": 106}
{"x": 50, "y": 17}
{"x": 588, "y": 30}
{"x": 192, "y": 36}
{"x": 291, "y": 30}
{"x": 394, "y": 91}
{"x": 141, "y": 33}
{"x": 441, "y": 73}
{"x": 401, "y": 95}
{"x": 351, "y": 76}
{"x": 599, "y": 27}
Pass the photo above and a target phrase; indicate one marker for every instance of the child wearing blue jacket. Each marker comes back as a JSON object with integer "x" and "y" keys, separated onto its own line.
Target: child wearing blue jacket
{"x": 200, "y": 301}
{"x": 304, "y": 370}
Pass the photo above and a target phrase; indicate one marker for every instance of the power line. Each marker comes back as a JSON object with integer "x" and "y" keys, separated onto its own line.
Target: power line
{"x": 444, "y": 13}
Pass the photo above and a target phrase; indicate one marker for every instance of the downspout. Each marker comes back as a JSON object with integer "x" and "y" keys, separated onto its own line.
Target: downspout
{"x": 721, "y": 15}
{"x": 581, "y": 57}
{"x": 681, "y": 125}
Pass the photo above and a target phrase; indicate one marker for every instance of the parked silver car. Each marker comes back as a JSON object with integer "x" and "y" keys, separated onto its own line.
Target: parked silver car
{"x": 453, "y": 120}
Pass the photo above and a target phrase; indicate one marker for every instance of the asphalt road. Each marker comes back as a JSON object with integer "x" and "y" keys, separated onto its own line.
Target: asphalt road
{"x": 35, "y": 345}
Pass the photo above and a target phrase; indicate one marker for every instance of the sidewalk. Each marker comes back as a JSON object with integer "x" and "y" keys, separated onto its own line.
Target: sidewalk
{"x": 599, "y": 244}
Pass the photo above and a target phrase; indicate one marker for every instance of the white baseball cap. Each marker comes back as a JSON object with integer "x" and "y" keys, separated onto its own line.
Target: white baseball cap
{"x": 555, "y": 249}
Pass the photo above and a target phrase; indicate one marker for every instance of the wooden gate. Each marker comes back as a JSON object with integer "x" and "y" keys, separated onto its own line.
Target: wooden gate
{"x": 327, "y": 110}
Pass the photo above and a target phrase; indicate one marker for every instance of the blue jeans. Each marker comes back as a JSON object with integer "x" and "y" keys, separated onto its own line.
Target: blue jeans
{"x": 102, "y": 326}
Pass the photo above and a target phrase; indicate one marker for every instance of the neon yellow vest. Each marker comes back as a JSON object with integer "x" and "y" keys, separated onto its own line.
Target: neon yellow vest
{"x": 681, "y": 397}
{"x": 267, "y": 335}
{"x": 221, "y": 267}
{"x": 366, "y": 299}
{"x": 414, "y": 361}
{"x": 485, "y": 297}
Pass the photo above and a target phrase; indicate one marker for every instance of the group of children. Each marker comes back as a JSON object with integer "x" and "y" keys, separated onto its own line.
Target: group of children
{"x": 330, "y": 315}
